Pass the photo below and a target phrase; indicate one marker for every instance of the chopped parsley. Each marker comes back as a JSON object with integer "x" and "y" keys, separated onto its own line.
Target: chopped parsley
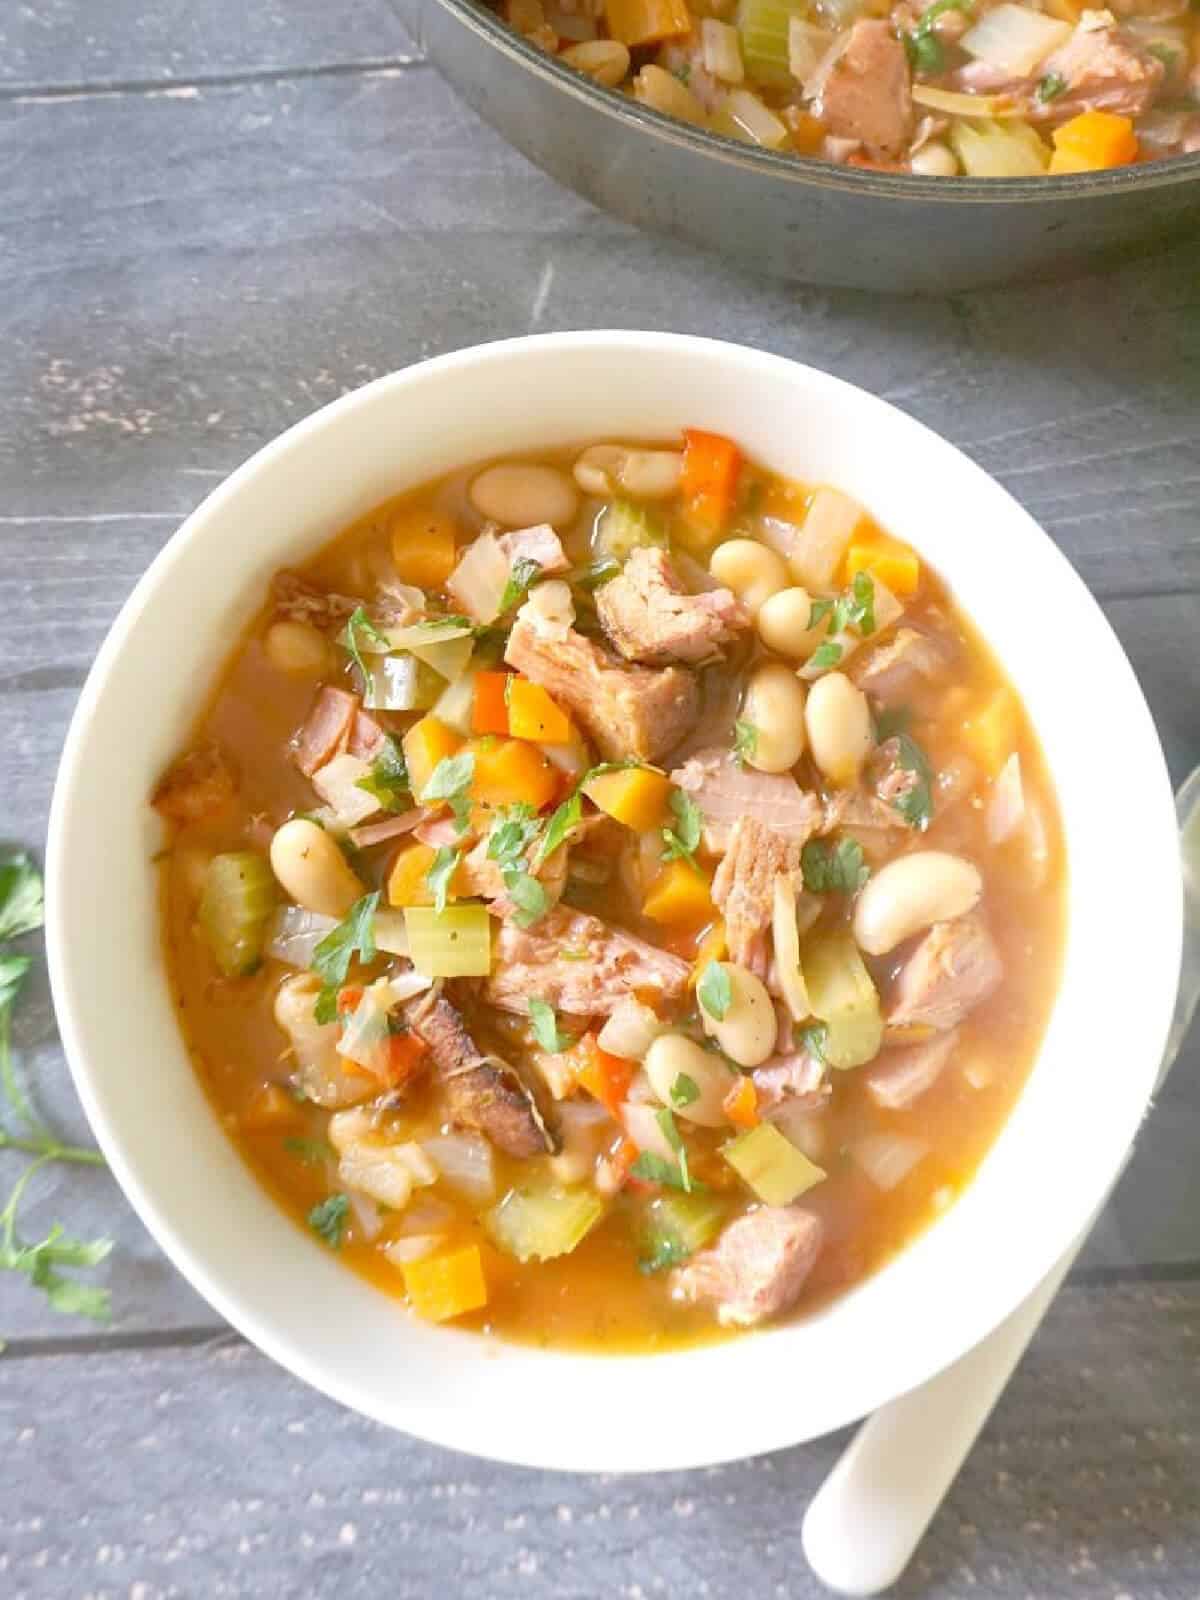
{"x": 665, "y": 1252}
{"x": 1051, "y": 86}
{"x": 358, "y": 623}
{"x": 715, "y": 991}
{"x": 546, "y": 1029}
{"x": 527, "y": 895}
{"x": 916, "y": 807}
{"x": 596, "y": 575}
{"x": 441, "y": 874}
{"x": 388, "y": 780}
{"x": 451, "y": 781}
{"x": 1165, "y": 52}
{"x": 513, "y": 831}
{"x": 355, "y": 935}
{"x": 834, "y": 868}
{"x": 684, "y": 1091}
{"x": 568, "y": 816}
{"x": 313, "y": 1152}
{"x": 684, "y": 838}
{"x": 745, "y": 740}
{"x": 825, "y": 655}
{"x": 328, "y": 1220}
{"x": 813, "y": 1038}
{"x": 524, "y": 571}
{"x": 922, "y": 45}
{"x": 666, "y": 1121}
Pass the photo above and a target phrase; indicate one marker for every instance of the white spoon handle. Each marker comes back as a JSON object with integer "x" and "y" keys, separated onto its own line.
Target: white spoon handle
{"x": 872, "y": 1511}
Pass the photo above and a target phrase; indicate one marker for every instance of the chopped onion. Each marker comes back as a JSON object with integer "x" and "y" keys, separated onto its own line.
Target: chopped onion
{"x": 722, "y": 50}
{"x": 952, "y": 103}
{"x": 802, "y": 1125}
{"x": 337, "y": 784}
{"x": 641, "y": 1124}
{"x": 814, "y": 85}
{"x": 296, "y": 933}
{"x": 630, "y": 1030}
{"x": 366, "y": 1033}
{"x": 380, "y": 832}
{"x": 989, "y": 149}
{"x": 479, "y": 580}
{"x": 1006, "y": 804}
{"x": 391, "y": 933}
{"x": 888, "y": 608}
{"x": 783, "y": 537}
{"x": 413, "y": 1247}
{"x": 426, "y": 1214}
{"x": 569, "y": 758}
{"x": 366, "y": 1214}
{"x": 586, "y": 1126}
{"x": 847, "y": 643}
{"x": 456, "y": 704}
{"x": 744, "y": 116}
{"x": 888, "y": 1158}
{"x": 418, "y": 1161}
{"x": 807, "y": 45}
{"x": 404, "y": 985}
{"x": 550, "y": 609}
{"x": 786, "y": 933}
{"x": 823, "y": 537}
{"x": 640, "y": 1092}
{"x": 1014, "y": 38}
{"x": 366, "y": 1164}
{"x": 403, "y": 598}
{"x": 465, "y": 1162}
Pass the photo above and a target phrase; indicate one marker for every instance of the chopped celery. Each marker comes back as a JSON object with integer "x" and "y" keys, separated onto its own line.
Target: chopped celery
{"x": 445, "y": 644}
{"x": 447, "y": 657}
{"x": 543, "y": 1223}
{"x": 763, "y": 26}
{"x": 456, "y": 704}
{"x": 400, "y": 683}
{"x": 991, "y": 149}
{"x": 455, "y": 943}
{"x": 623, "y": 527}
{"x": 841, "y": 993}
{"x": 236, "y": 903}
{"x": 772, "y": 1166}
{"x": 677, "y": 1225}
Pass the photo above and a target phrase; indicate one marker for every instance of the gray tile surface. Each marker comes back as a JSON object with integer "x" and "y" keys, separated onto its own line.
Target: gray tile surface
{"x": 186, "y": 273}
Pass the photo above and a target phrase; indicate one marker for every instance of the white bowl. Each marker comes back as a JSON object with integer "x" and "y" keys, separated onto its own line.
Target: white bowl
{"x": 1038, "y": 1185}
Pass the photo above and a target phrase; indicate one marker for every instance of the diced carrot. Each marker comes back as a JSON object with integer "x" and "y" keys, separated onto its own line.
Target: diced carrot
{"x": 270, "y": 1109}
{"x": 740, "y": 1105}
{"x": 1093, "y": 141}
{"x": 440, "y": 1287}
{"x": 708, "y": 483}
{"x": 406, "y": 1055}
{"x": 872, "y": 164}
{"x": 895, "y": 564}
{"x": 406, "y": 885}
{"x": 679, "y": 897}
{"x": 713, "y": 947}
{"x": 489, "y": 714}
{"x": 636, "y": 22}
{"x": 636, "y": 796}
{"x": 348, "y": 999}
{"x": 990, "y": 732}
{"x": 425, "y": 744}
{"x": 533, "y": 715}
{"x": 1065, "y": 10}
{"x": 508, "y": 771}
{"x": 605, "y": 1077}
{"x": 807, "y": 132}
{"x": 424, "y": 547}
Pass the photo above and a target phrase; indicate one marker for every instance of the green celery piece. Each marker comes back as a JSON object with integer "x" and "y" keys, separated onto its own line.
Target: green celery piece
{"x": 625, "y": 526}
{"x": 677, "y": 1225}
{"x": 236, "y": 903}
{"x": 539, "y": 1224}
{"x": 763, "y": 28}
{"x": 843, "y": 996}
{"x": 771, "y": 1164}
{"x": 454, "y": 943}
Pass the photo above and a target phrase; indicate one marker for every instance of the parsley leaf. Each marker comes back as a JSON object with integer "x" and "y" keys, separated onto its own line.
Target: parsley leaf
{"x": 916, "y": 807}
{"x": 20, "y": 897}
{"x": 819, "y": 610}
{"x": 568, "y": 815}
{"x": 813, "y": 1038}
{"x": 357, "y": 623}
{"x": 513, "y": 831}
{"x": 527, "y": 895}
{"x": 451, "y": 781}
{"x": 388, "y": 780}
{"x": 441, "y": 874}
{"x": 684, "y": 1090}
{"x": 651, "y": 1168}
{"x": 524, "y": 571}
{"x": 922, "y": 45}
{"x": 596, "y": 575}
{"x": 331, "y": 959}
{"x": 545, "y": 1027}
{"x": 856, "y": 608}
{"x": 825, "y": 655}
{"x": 313, "y": 1152}
{"x": 1051, "y": 86}
{"x": 714, "y": 991}
{"x": 674, "y": 1138}
{"x": 745, "y": 740}
{"x": 891, "y": 720}
{"x": 834, "y": 868}
{"x": 328, "y": 1220}
{"x": 684, "y": 838}
{"x": 666, "y": 1251}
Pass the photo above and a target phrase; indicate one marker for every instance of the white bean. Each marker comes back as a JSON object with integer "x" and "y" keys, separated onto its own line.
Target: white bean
{"x": 750, "y": 569}
{"x": 774, "y": 708}
{"x": 674, "y": 1055}
{"x": 912, "y": 893}
{"x": 520, "y": 494}
{"x": 311, "y": 868}
{"x": 748, "y": 1030}
{"x": 783, "y": 624}
{"x": 662, "y": 91}
{"x": 607, "y": 469}
{"x": 934, "y": 160}
{"x": 297, "y": 648}
{"x": 605, "y": 60}
{"x": 839, "y": 727}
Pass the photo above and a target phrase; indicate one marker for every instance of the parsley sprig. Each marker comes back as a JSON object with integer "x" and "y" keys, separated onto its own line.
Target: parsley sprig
{"x": 683, "y": 840}
{"x": 831, "y": 868}
{"x": 922, "y": 45}
{"x": 524, "y": 573}
{"x": 916, "y": 807}
{"x": 21, "y": 911}
{"x": 388, "y": 780}
{"x": 512, "y": 836}
{"x": 359, "y": 627}
{"x": 355, "y": 935}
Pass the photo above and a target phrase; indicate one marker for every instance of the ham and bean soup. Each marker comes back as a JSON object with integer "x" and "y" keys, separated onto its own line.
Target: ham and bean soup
{"x": 613, "y": 897}
{"x": 1012, "y": 89}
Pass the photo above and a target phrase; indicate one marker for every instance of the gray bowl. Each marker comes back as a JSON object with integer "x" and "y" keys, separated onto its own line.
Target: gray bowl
{"x": 792, "y": 218}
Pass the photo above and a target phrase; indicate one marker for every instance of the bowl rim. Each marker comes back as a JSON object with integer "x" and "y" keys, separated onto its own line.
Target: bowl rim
{"x": 278, "y": 1335}
{"x": 1165, "y": 172}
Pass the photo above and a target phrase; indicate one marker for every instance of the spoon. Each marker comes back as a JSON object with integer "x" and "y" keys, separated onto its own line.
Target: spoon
{"x": 870, "y": 1514}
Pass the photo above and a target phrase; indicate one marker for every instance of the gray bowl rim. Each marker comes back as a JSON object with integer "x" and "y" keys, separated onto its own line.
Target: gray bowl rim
{"x": 1167, "y": 172}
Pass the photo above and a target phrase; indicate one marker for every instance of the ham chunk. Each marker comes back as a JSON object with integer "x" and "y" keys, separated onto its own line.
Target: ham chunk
{"x": 650, "y": 617}
{"x": 726, "y": 791}
{"x": 1103, "y": 71}
{"x": 578, "y": 965}
{"x": 483, "y": 1092}
{"x": 299, "y": 600}
{"x": 744, "y": 888}
{"x": 196, "y": 787}
{"x": 540, "y": 544}
{"x": 757, "y": 1268}
{"x": 336, "y": 725}
{"x": 626, "y": 711}
{"x": 955, "y": 967}
{"x": 479, "y": 875}
{"x": 893, "y": 670}
{"x": 867, "y": 96}
{"x": 900, "y": 1077}
{"x": 792, "y": 1079}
